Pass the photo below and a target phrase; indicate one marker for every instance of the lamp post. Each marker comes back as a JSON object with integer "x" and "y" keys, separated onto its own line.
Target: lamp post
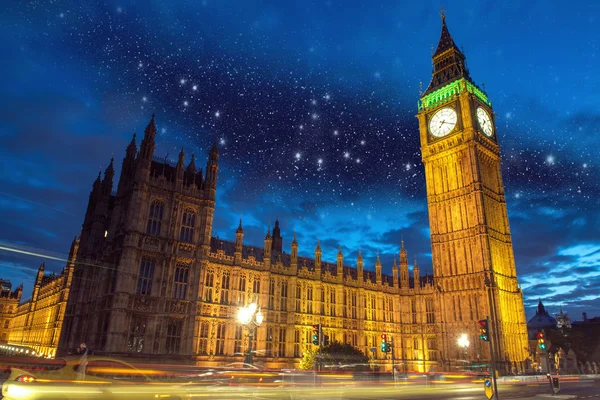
{"x": 251, "y": 317}
{"x": 463, "y": 341}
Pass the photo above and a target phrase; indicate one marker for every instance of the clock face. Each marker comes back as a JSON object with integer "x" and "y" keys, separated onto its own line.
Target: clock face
{"x": 485, "y": 122}
{"x": 443, "y": 122}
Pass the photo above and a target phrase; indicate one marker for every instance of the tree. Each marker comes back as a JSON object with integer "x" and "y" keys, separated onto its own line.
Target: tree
{"x": 338, "y": 353}
{"x": 308, "y": 358}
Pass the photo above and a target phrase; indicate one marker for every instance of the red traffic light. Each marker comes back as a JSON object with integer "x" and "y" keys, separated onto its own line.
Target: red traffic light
{"x": 540, "y": 335}
{"x": 482, "y": 323}
{"x": 315, "y": 326}
{"x": 383, "y": 336}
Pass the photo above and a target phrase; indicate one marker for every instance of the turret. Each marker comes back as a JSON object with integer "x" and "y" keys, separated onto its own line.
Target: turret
{"x": 318, "y": 253}
{"x": 37, "y": 286}
{"x": 294, "y": 254}
{"x": 107, "y": 182}
{"x": 267, "y": 250}
{"x": 148, "y": 144}
{"x": 340, "y": 261}
{"x": 40, "y": 274}
{"x": 144, "y": 159}
{"x": 416, "y": 275}
{"x": 277, "y": 239}
{"x": 404, "y": 282}
{"x": 70, "y": 267}
{"x": 180, "y": 168}
{"x": 199, "y": 178}
{"x": 212, "y": 170}
{"x": 359, "y": 268}
{"x": 378, "y": 270}
{"x": 395, "y": 273}
{"x": 191, "y": 168}
{"x": 239, "y": 240}
{"x": 128, "y": 168}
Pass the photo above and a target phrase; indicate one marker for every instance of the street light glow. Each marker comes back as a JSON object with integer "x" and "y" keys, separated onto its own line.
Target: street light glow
{"x": 463, "y": 341}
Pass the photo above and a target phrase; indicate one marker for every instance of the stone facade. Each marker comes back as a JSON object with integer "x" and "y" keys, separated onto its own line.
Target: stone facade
{"x": 9, "y": 301}
{"x": 38, "y": 321}
{"x": 150, "y": 281}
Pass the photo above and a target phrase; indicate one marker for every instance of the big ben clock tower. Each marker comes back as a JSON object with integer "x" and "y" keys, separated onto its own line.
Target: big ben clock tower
{"x": 471, "y": 245}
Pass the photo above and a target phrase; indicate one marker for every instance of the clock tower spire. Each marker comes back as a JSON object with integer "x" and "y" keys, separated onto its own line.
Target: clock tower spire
{"x": 471, "y": 244}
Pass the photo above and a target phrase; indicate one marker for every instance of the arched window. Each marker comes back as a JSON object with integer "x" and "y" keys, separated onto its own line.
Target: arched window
{"x": 145, "y": 276}
{"x": 180, "y": 281}
{"x": 187, "y": 226}
{"x": 155, "y": 218}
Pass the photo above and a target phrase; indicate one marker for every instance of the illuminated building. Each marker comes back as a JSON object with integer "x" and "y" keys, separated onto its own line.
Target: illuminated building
{"x": 38, "y": 321}
{"x": 472, "y": 254}
{"x": 9, "y": 301}
{"x": 150, "y": 281}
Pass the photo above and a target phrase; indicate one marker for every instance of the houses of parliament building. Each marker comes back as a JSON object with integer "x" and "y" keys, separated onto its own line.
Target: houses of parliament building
{"x": 148, "y": 279}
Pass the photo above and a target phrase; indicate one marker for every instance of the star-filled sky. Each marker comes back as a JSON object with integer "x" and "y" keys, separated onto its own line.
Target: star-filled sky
{"x": 313, "y": 105}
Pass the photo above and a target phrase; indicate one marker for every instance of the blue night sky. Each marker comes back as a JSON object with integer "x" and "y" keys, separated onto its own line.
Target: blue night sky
{"x": 313, "y": 104}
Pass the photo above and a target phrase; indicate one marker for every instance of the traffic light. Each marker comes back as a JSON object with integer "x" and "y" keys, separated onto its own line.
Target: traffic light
{"x": 484, "y": 330}
{"x": 316, "y": 334}
{"x": 385, "y": 346}
{"x": 325, "y": 340}
{"x": 541, "y": 340}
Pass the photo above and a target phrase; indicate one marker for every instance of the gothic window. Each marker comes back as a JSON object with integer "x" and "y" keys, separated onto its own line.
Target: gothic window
{"x": 269, "y": 341}
{"x": 180, "y": 281}
{"x": 282, "y": 342}
{"x": 354, "y": 302}
{"x": 203, "y": 342}
{"x": 220, "y": 349}
{"x": 137, "y": 332}
{"x": 297, "y": 339}
{"x": 209, "y": 283}
{"x": 145, "y": 276}
{"x": 284, "y": 295}
{"x": 322, "y": 301}
{"x": 237, "y": 343}
{"x": 309, "y": 302}
{"x": 155, "y": 218}
{"x": 391, "y": 309}
{"x": 332, "y": 303}
{"x": 187, "y": 226}
{"x": 298, "y": 297}
{"x": 225, "y": 288}
{"x": 471, "y": 308}
{"x": 413, "y": 307}
{"x": 432, "y": 349}
{"x": 416, "y": 348}
{"x": 256, "y": 285}
{"x": 345, "y": 304}
{"x": 174, "y": 336}
{"x": 430, "y": 311}
{"x": 271, "y": 294}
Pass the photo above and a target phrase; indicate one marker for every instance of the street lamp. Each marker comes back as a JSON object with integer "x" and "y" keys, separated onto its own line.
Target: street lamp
{"x": 251, "y": 317}
{"x": 463, "y": 341}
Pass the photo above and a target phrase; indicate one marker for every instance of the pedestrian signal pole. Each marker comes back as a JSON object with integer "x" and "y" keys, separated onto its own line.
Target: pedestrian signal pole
{"x": 486, "y": 336}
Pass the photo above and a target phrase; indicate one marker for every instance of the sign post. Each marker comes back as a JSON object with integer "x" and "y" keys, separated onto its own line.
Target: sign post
{"x": 489, "y": 390}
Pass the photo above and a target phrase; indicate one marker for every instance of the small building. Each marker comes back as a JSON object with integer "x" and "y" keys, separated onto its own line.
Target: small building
{"x": 541, "y": 321}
